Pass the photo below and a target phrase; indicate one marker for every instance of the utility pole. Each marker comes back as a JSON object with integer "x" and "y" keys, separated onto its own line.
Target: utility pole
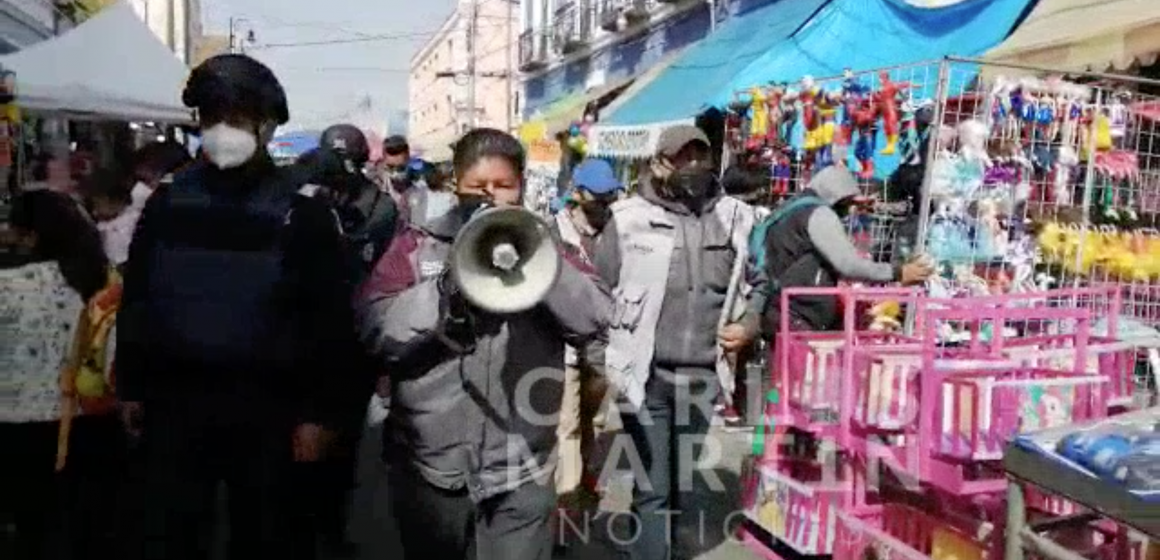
{"x": 472, "y": 32}
{"x": 508, "y": 39}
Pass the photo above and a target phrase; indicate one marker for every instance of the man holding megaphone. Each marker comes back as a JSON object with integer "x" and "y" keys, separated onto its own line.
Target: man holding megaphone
{"x": 470, "y": 314}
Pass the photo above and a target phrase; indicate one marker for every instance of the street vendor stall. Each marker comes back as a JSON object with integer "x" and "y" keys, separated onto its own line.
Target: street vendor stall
{"x": 111, "y": 67}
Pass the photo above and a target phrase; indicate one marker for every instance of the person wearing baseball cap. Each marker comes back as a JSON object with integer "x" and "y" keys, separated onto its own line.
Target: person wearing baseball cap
{"x": 676, "y": 259}
{"x": 587, "y": 209}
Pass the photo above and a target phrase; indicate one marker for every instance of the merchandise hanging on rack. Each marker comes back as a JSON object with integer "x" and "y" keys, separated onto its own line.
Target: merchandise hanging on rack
{"x": 876, "y": 123}
{"x": 1048, "y": 182}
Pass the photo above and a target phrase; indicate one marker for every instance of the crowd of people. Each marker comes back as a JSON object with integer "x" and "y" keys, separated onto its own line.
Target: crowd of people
{"x": 218, "y": 319}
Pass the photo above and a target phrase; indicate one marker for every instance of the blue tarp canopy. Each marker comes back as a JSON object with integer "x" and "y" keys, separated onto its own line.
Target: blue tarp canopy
{"x": 686, "y": 87}
{"x": 293, "y": 144}
{"x": 869, "y": 34}
{"x": 788, "y": 39}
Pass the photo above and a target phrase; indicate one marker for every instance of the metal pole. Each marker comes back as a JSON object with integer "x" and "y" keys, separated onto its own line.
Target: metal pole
{"x": 233, "y": 45}
{"x": 509, "y": 71}
{"x": 712, "y": 15}
{"x": 471, "y": 38}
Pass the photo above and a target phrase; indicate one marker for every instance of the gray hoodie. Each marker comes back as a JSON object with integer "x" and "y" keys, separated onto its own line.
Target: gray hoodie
{"x": 810, "y": 247}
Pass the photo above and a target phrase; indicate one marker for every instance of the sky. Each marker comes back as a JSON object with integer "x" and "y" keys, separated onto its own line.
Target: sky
{"x": 326, "y": 83}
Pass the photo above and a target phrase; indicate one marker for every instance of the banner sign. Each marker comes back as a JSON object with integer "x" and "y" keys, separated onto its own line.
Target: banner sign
{"x": 628, "y": 142}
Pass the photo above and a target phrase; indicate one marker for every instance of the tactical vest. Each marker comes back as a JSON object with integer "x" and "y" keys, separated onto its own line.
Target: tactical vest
{"x": 219, "y": 293}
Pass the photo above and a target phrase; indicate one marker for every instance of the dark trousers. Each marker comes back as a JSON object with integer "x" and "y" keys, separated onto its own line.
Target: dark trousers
{"x": 324, "y": 488}
{"x": 76, "y": 513}
{"x": 187, "y": 450}
{"x": 448, "y": 525}
{"x": 678, "y": 406}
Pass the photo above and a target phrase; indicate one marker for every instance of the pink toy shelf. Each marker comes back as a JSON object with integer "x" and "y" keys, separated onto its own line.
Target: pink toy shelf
{"x": 934, "y": 413}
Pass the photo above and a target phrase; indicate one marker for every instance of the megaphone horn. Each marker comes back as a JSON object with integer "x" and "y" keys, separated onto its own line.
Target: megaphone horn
{"x": 504, "y": 260}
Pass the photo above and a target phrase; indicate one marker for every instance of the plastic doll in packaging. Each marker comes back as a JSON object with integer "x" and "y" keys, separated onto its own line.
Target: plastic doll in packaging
{"x": 887, "y": 100}
{"x": 1065, "y": 163}
{"x": 1118, "y": 118}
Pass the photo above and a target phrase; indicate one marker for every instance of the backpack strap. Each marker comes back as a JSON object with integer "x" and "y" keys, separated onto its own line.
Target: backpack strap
{"x": 761, "y": 230}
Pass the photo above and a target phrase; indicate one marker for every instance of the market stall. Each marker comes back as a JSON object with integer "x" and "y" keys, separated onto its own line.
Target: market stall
{"x": 111, "y": 67}
{"x": 1036, "y": 194}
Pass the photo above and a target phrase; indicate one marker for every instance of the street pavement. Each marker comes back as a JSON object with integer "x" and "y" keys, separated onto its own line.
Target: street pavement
{"x": 701, "y": 534}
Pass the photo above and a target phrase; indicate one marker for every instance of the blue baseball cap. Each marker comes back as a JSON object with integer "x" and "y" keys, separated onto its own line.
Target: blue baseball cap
{"x": 595, "y": 176}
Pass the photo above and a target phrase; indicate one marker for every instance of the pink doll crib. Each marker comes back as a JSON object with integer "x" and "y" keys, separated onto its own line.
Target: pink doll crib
{"x": 945, "y": 419}
{"x": 811, "y": 365}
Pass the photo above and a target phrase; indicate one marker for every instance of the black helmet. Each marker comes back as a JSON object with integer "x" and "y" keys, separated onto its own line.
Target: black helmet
{"x": 238, "y": 84}
{"x": 346, "y": 141}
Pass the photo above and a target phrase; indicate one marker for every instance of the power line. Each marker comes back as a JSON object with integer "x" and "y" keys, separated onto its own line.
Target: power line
{"x": 353, "y": 40}
{"x": 345, "y": 69}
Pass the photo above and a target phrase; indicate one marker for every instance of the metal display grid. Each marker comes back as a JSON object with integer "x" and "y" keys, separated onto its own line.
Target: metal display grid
{"x": 1039, "y": 210}
{"x": 1069, "y": 194}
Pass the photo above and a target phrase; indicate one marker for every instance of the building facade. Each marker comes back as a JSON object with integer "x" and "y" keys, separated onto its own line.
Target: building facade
{"x": 568, "y": 47}
{"x": 441, "y": 88}
{"x": 177, "y": 23}
{"x": 25, "y": 22}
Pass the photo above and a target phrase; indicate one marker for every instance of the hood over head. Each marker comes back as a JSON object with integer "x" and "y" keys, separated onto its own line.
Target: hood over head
{"x": 834, "y": 184}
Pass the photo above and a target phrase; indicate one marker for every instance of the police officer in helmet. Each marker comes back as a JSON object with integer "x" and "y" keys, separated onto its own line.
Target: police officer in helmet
{"x": 235, "y": 297}
{"x": 367, "y": 214}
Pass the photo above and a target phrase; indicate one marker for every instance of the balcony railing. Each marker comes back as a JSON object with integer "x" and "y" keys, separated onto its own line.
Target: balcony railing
{"x": 533, "y": 50}
{"x": 572, "y": 26}
{"x": 618, "y": 14}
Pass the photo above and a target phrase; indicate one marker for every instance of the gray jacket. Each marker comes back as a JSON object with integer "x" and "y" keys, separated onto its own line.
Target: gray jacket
{"x": 677, "y": 277}
{"x": 483, "y": 417}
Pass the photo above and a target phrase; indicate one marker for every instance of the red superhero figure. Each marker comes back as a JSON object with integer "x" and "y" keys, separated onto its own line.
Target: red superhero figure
{"x": 865, "y": 119}
{"x": 854, "y": 92}
{"x": 887, "y": 101}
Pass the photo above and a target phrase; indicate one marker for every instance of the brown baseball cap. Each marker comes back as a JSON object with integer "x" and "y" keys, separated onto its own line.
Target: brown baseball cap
{"x": 673, "y": 139}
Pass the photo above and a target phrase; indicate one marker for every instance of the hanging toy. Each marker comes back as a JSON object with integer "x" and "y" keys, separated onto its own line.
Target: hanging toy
{"x": 1000, "y": 101}
{"x": 865, "y": 121}
{"x": 888, "y": 99}
{"x": 853, "y": 94}
{"x": 734, "y": 124}
{"x": 1118, "y": 118}
{"x": 782, "y": 172}
{"x": 576, "y": 139}
{"x": 775, "y": 109}
{"x": 1065, "y": 162}
{"x": 807, "y": 98}
{"x": 1015, "y": 111}
{"x": 827, "y": 106}
{"x": 759, "y": 114}
{"x": 789, "y": 115}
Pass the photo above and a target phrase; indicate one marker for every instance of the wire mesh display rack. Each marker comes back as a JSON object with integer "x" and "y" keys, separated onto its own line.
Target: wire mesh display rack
{"x": 1039, "y": 178}
{"x": 1013, "y": 178}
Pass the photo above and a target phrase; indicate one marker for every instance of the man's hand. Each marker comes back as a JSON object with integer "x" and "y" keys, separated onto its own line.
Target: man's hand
{"x": 131, "y": 412}
{"x": 916, "y": 271}
{"x": 734, "y": 337}
{"x": 309, "y": 442}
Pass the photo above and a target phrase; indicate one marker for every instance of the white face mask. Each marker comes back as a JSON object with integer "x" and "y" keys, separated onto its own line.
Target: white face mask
{"x": 228, "y": 147}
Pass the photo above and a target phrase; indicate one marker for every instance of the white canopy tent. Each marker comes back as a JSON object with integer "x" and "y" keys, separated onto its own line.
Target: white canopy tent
{"x": 109, "y": 67}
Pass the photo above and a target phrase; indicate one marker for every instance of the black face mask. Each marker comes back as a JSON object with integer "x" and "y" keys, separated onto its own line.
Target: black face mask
{"x": 692, "y": 183}
{"x": 470, "y": 204}
{"x": 598, "y": 213}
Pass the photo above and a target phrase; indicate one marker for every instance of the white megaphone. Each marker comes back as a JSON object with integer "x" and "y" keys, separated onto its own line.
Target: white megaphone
{"x": 504, "y": 260}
